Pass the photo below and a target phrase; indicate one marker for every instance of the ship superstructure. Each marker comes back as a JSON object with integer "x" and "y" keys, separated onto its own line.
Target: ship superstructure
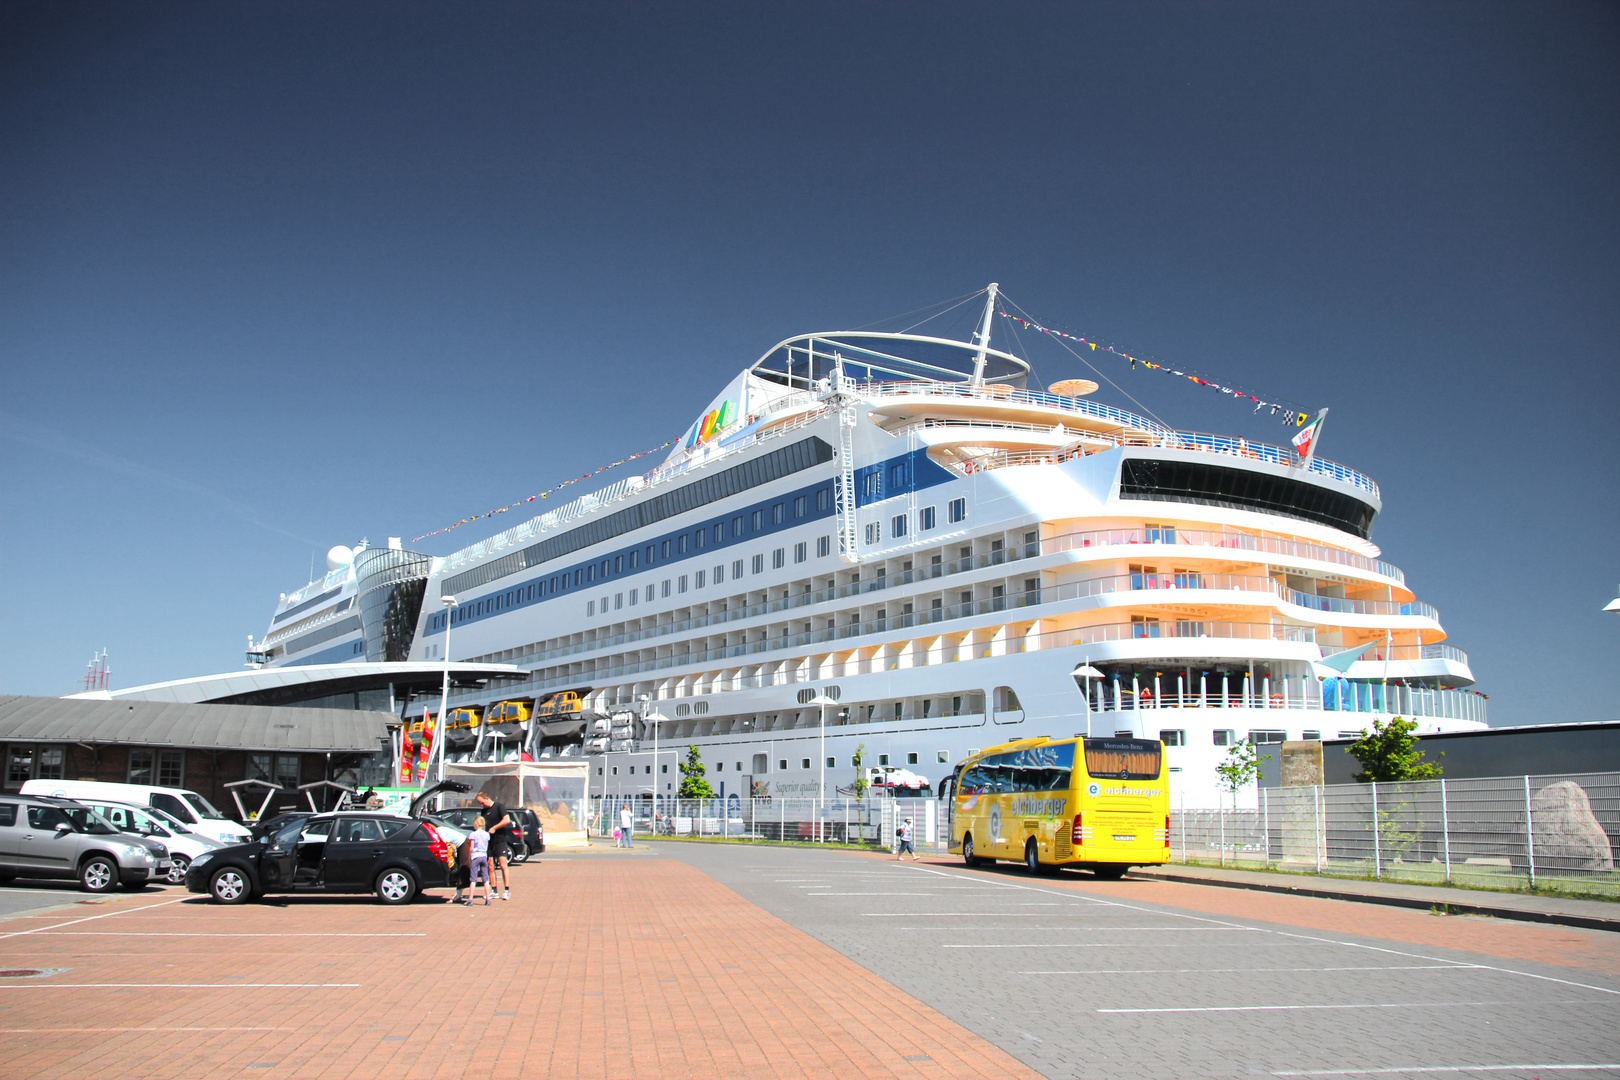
{"x": 900, "y": 537}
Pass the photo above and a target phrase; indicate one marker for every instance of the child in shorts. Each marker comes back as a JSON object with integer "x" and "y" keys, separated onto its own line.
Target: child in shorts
{"x": 478, "y": 861}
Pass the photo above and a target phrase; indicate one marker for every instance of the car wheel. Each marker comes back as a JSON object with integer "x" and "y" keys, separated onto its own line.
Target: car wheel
{"x": 1032, "y": 857}
{"x": 1110, "y": 873}
{"x": 520, "y": 854}
{"x": 177, "y": 869}
{"x": 230, "y": 885}
{"x": 968, "y": 858}
{"x": 98, "y": 874}
{"x": 396, "y": 886}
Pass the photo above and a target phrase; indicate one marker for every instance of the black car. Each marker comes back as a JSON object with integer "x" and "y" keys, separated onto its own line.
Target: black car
{"x": 391, "y": 855}
{"x": 528, "y": 835}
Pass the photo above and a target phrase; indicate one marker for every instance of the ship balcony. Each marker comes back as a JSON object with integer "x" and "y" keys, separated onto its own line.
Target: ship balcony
{"x": 1365, "y": 700}
{"x": 1185, "y": 543}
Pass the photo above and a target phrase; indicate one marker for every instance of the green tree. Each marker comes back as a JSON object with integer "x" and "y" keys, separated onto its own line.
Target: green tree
{"x": 1240, "y": 768}
{"x": 1389, "y": 752}
{"x": 860, "y": 773}
{"x": 693, "y": 786}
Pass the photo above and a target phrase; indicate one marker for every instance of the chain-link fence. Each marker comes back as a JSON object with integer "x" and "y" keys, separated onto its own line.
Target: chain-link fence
{"x": 1502, "y": 832}
{"x": 866, "y": 822}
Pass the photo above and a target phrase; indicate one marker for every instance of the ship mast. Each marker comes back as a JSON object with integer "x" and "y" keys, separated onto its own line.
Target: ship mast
{"x": 983, "y": 335}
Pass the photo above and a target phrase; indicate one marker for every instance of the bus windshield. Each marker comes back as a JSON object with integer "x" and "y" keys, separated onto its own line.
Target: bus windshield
{"x": 1123, "y": 759}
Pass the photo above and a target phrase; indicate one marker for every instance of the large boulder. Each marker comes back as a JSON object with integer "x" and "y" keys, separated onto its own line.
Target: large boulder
{"x": 1567, "y": 833}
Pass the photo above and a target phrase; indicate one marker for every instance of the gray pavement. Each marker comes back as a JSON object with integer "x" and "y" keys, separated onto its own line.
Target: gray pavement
{"x": 22, "y": 896}
{"x": 1081, "y": 985}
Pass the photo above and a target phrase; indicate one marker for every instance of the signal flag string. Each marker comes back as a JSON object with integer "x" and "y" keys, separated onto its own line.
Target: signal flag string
{"x": 1291, "y": 416}
{"x": 549, "y": 491}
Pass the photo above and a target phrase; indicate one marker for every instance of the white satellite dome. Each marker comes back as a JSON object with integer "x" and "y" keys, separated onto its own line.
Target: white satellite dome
{"x": 339, "y": 557}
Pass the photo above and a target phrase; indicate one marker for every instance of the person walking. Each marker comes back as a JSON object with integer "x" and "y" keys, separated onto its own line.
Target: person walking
{"x": 477, "y": 861}
{"x": 902, "y": 832}
{"x": 627, "y": 822}
{"x": 500, "y": 843}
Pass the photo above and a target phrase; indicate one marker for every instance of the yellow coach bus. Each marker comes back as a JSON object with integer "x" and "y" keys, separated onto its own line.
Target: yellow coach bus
{"x": 1098, "y": 804}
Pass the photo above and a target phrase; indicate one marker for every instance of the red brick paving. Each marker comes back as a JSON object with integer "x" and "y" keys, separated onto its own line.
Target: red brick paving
{"x": 1589, "y": 950}
{"x": 612, "y": 968}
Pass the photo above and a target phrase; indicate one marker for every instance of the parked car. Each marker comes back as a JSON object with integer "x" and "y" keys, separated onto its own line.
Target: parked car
{"x": 197, "y": 812}
{"x": 528, "y": 836}
{"x": 87, "y": 820}
{"x": 183, "y": 844}
{"x": 39, "y": 839}
{"x": 391, "y": 855}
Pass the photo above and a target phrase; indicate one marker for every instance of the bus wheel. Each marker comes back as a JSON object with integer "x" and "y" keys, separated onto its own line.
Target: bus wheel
{"x": 968, "y": 858}
{"x": 1032, "y": 857}
{"x": 1110, "y": 873}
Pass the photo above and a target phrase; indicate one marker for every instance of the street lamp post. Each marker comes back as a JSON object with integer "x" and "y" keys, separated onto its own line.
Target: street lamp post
{"x": 449, "y": 603}
{"x": 822, "y": 700}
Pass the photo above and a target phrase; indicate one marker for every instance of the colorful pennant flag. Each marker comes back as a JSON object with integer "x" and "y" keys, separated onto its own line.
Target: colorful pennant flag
{"x": 546, "y": 493}
{"x": 1290, "y": 416}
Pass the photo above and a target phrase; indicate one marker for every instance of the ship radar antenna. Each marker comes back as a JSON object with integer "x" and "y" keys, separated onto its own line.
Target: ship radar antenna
{"x": 983, "y": 335}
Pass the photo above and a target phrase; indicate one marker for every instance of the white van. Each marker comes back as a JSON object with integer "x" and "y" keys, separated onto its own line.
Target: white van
{"x": 196, "y": 812}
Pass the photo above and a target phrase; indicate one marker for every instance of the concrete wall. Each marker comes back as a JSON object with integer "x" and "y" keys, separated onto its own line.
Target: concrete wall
{"x": 1545, "y": 751}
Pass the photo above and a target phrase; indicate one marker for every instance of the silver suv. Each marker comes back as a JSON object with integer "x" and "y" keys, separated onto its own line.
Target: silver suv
{"x": 38, "y": 839}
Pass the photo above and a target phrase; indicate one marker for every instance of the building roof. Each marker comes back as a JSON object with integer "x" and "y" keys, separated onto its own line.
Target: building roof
{"x": 283, "y": 683}
{"x": 217, "y": 727}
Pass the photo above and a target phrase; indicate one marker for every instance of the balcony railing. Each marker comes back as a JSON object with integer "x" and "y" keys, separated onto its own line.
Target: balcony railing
{"x": 1399, "y": 653}
{"x": 1271, "y": 545}
{"x": 1331, "y": 696}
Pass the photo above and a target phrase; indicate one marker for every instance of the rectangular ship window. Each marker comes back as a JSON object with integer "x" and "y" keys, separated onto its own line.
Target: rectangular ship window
{"x": 759, "y": 564}
{"x": 957, "y": 510}
{"x": 666, "y": 588}
{"x": 801, "y": 551}
{"x": 736, "y": 569}
{"x": 798, "y": 507}
{"x": 778, "y": 559}
{"x": 874, "y": 534}
{"x": 736, "y": 526}
{"x": 683, "y": 583}
{"x": 759, "y": 520}
{"x": 777, "y": 513}
{"x": 897, "y": 526}
{"x": 824, "y": 499}
{"x": 823, "y": 546}
{"x": 925, "y": 519}
{"x": 719, "y": 574}
{"x": 700, "y": 577}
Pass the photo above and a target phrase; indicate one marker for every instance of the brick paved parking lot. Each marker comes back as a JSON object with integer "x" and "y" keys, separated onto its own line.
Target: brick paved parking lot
{"x": 732, "y": 961}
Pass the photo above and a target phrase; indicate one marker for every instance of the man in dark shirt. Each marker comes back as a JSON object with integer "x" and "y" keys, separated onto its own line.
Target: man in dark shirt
{"x": 499, "y": 824}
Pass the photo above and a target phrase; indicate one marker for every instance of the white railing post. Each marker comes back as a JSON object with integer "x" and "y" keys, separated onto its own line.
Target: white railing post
{"x": 1445, "y": 829}
{"x": 1378, "y": 851}
{"x": 1529, "y": 833}
{"x": 1265, "y": 826}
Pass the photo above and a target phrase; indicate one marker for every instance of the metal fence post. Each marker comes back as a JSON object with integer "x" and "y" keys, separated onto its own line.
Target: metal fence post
{"x": 1221, "y": 818}
{"x": 1445, "y": 829}
{"x": 1316, "y": 829}
{"x": 1265, "y": 825}
{"x": 1529, "y": 833}
{"x": 1378, "y": 852}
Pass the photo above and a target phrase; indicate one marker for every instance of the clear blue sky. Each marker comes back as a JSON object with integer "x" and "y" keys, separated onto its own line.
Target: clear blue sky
{"x": 275, "y": 277}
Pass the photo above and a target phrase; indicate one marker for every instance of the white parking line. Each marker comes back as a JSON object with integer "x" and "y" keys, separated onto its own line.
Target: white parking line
{"x": 1443, "y": 1069}
{"x": 88, "y": 918}
{"x": 1373, "y": 1005}
{"x": 1093, "y": 929}
{"x": 178, "y": 986}
{"x": 1246, "y": 970}
{"x": 1102, "y": 945}
{"x": 214, "y": 934}
{"x": 66, "y": 1030}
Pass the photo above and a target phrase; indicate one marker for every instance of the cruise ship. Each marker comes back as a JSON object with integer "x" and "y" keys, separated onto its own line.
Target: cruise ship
{"x": 902, "y": 544}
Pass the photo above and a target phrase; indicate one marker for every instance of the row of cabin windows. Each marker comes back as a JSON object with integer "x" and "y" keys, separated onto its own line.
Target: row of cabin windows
{"x": 1228, "y": 737}
{"x": 941, "y": 757}
{"x": 702, "y": 578}
{"x": 629, "y": 563}
{"x": 927, "y": 521}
